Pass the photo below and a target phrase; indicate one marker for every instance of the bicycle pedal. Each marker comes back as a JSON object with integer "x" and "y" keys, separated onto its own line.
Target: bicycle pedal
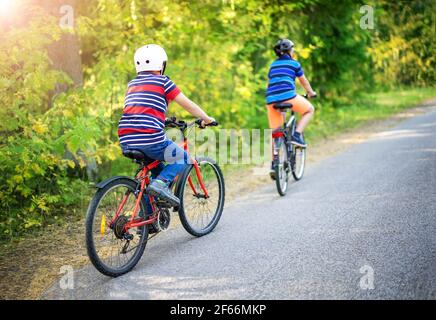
{"x": 164, "y": 219}
{"x": 163, "y": 204}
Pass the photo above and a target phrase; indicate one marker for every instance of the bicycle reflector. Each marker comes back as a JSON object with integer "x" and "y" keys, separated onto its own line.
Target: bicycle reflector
{"x": 277, "y": 134}
{"x": 103, "y": 225}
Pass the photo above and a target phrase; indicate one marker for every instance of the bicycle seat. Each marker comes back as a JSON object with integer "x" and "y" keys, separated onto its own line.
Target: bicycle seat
{"x": 283, "y": 106}
{"x": 136, "y": 155}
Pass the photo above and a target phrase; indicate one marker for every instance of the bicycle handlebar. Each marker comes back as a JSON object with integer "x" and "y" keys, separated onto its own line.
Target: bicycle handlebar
{"x": 199, "y": 121}
{"x": 174, "y": 123}
{"x": 307, "y": 96}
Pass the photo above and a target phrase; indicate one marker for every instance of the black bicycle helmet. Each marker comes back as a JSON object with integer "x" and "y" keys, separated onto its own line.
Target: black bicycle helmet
{"x": 283, "y": 46}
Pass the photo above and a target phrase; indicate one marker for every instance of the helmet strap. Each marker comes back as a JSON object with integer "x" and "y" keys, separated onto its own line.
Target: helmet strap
{"x": 163, "y": 68}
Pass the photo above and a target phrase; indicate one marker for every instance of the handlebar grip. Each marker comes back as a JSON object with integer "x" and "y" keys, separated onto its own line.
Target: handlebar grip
{"x": 170, "y": 122}
{"x": 212, "y": 124}
{"x": 307, "y": 96}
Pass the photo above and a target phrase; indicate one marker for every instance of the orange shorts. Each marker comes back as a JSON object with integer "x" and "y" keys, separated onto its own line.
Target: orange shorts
{"x": 299, "y": 104}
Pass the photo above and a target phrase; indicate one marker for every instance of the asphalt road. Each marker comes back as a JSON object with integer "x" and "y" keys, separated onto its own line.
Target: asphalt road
{"x": 360, "y": 225}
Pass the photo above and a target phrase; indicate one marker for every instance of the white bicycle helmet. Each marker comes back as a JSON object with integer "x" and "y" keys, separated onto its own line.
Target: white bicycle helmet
{"x": 150, "y": 57}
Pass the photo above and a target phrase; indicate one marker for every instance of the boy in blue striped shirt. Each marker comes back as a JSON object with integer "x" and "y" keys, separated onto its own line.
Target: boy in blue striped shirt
{"x": 281, "y": 88}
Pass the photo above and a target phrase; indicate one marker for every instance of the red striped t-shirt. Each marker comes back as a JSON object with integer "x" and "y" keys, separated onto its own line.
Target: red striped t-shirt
{"x": 145, "y": 105}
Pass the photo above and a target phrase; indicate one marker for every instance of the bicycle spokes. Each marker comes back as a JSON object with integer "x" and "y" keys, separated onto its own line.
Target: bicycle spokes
{"x": 113, "y": 243}
{"x": 201, "y": 196}
{"x": 282, "y": 167}
{"x": 298, "y": 162}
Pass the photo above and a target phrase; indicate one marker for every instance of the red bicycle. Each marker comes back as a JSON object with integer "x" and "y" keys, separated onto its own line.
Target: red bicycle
{"x": 117, "y": 228}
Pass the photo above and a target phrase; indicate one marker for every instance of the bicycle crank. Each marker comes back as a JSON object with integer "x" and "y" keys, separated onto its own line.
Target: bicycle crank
{"x": 163, "y": 219}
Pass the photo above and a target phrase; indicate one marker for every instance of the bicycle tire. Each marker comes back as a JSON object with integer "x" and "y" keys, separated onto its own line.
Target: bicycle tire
{"x": 298, "y": 173}
{"x": 90, "y": 244}
{"x": 281, "y": 172}
{"x": 180, "y": 192}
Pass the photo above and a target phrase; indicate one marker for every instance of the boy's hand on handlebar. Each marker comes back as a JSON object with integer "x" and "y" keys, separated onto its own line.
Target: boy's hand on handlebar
{"x": 310, "y": 95}
{"x": 169, "y": 122}
{"x": 208, "y": 122}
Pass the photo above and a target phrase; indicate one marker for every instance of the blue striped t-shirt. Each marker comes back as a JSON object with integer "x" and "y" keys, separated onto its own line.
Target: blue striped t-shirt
{"x": 281, "y": 79}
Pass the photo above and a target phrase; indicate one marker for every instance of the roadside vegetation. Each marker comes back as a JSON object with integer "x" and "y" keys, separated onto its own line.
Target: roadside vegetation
{"x": 58, "y": 130}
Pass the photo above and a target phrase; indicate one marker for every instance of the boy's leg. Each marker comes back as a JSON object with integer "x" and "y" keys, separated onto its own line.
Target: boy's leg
{"x": 152, "y": 228}
{"x": 302, "y": 106}
{"x": 176, "y": 158}
{"x": 275, "y": 117}
{"x": 275, "y": 121}
{"x": 154, "y": 173}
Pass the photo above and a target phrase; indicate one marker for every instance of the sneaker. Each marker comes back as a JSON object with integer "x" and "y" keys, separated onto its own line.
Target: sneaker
{"x": 298, "y": 140}
{"x": 158, "y": 188}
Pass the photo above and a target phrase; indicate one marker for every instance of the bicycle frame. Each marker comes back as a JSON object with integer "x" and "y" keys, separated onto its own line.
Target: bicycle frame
{"x": 290, "y": 122}
{"x": 144, "y": 179}
{"x": 286, "y": 124}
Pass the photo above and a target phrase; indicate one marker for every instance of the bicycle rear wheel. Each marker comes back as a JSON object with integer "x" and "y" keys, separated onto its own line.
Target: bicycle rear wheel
{"x": 112, "y": 251}
{"x": 199, "y": 214}
{"x": 282, "y": 167}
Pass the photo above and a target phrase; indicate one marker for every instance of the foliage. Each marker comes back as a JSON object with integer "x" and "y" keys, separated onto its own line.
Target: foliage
{"x": 405, "y": 43}
{"x": 219, "y": 53}
{"x": 27, "y": 192}
{"x": 339, "y": 64}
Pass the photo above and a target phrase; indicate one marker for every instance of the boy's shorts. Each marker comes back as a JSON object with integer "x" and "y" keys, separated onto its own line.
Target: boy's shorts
{"x": 166, "y": 151}
{"x": 299, "y": 104}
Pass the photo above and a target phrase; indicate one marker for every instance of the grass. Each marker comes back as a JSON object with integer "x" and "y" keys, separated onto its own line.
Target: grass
{"x": 330, "y": 120}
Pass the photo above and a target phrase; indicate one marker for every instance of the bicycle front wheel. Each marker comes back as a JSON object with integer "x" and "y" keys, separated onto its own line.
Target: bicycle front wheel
{"x": 111, "y": 250}
{"x": 199, "y": 213}
{"x": 298, "y": 162}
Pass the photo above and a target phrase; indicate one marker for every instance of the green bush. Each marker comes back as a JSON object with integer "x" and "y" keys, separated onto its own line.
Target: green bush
{"x": 219, "y": 53}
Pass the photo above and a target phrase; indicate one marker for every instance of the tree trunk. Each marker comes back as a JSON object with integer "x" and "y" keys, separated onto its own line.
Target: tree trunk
{"x": 65, "y": 53}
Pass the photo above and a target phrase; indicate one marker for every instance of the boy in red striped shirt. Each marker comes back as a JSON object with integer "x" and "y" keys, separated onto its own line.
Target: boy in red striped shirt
{"x": 142, "y": 124}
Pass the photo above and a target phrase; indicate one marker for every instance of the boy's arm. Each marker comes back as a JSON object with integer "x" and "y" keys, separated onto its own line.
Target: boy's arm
{"x": 192, "y": 108}
{"x": 306, "y": 85}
